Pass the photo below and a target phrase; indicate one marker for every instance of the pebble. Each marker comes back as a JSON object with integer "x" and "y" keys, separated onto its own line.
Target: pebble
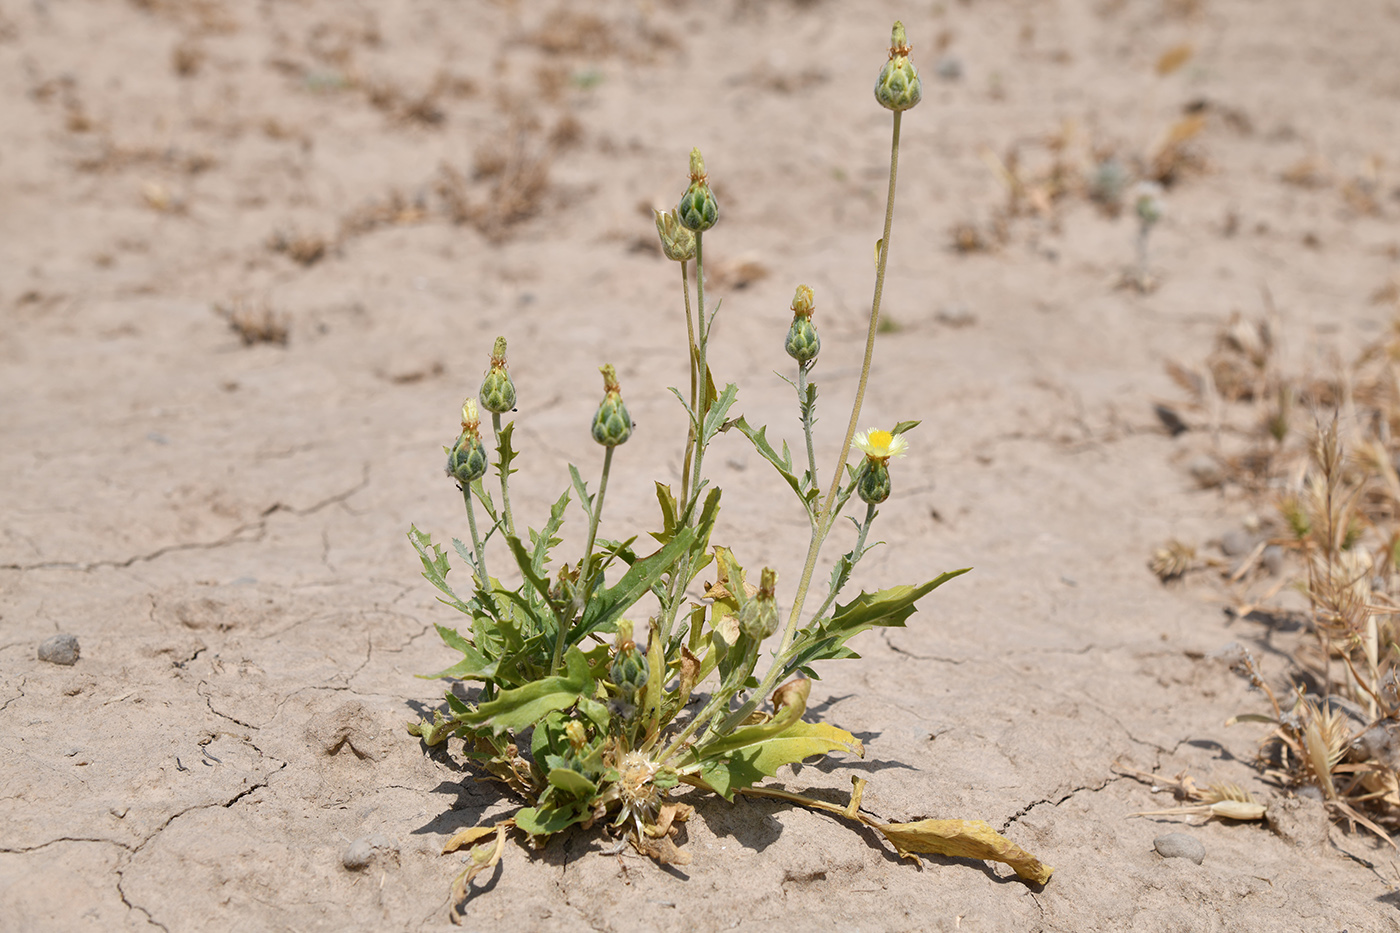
{"x": 1272, "y": 559}
{"x": 60, "y": 649}
{"x": 1180, "y": 845}
{"x": 363, "y": 851}
{"x": 1206, "y": 471}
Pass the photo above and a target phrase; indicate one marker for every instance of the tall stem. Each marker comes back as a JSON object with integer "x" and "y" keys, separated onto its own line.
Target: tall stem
{"x": 585, "y": 578}
{"x": 690, "y": 352}
{"x": 483, "y": 579}
{"x": 802, "y": 369}
{"x": 702, "y": 374}
{"x": 505, "y": 478}
{"x": 826, "y": 516}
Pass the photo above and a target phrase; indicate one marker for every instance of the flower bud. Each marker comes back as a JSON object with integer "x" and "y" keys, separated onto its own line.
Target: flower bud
{"x": 677, "y": 242}
{"x": 629, "y": 669}
{"x": 466, "y": 458}
{"x": 758, "y": 618}
{"x": 898, "y": 87}
{"x": 873, "y": 484}
{"x": 697, "y": 210}
{"x": 497, "y": 390}
{"x": 803, "y": 344}
{"x": 611, "y": 425}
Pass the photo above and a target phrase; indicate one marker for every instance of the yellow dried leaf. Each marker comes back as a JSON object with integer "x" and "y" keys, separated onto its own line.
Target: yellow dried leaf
{"x": 1174, "y": 57}
{"x": 465, "y": 837}
{"x": 964, "y": 839}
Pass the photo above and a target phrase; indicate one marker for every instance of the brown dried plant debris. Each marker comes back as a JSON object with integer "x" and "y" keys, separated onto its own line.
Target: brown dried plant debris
{"x": 303, "y": 248}
{"x": 510, "y": 176}
{"x": 254, "y": 325}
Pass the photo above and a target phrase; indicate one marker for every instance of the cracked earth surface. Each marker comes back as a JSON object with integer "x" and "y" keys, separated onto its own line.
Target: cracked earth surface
{"x": 223, "y": 526}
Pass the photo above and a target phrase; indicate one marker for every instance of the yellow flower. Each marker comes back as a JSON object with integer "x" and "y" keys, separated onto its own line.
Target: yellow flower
{"x": 880, "y": 446}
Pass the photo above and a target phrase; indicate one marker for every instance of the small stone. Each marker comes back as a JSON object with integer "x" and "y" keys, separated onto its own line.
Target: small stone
{"x": 1206, "y": 471}
{"x": 1180, "y": 845}
{"x": 364, "y": 851}
{"x": 60, "y": 649}
{"x": 1272, "y": 559}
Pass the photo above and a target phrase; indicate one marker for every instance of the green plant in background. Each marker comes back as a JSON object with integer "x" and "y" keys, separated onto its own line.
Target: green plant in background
{"x": 589, "y": 671}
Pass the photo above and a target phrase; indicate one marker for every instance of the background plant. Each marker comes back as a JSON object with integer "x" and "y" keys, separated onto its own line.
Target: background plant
{"x": 588, "y": 670}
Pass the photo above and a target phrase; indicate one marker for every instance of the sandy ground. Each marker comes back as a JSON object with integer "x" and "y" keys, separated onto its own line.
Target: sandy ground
{"x": 222, "y": 525}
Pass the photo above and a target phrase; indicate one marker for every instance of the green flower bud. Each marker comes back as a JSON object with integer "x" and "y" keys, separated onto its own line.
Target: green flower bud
{"x": 873, "y": 484}
{"x": 803, "y": 344}
{"x": 899, "y": 87}
{"x": 466, "y": 459}
{"x": 497, "y": 391}
{"x": 629, "y": 669}
{"x": 697, "y": 210}
{"x": 758, "y": 618}
{"x": 611, "y": 425}
{"x": 677, "y": 242}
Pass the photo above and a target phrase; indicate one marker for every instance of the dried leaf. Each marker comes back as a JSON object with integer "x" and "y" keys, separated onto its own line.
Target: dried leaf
{"x": 1174, "y": 57}
{"x": 465, "y": 837}
{"x": 963, "y": 839}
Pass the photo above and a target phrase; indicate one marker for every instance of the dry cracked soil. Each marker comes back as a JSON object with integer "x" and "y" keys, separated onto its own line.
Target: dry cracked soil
{"x": 254, "y": 254}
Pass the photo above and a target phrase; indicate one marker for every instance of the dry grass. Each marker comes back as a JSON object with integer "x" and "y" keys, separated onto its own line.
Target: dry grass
{"x": 1320, "y": 453}
{"x": 254, "y": 325}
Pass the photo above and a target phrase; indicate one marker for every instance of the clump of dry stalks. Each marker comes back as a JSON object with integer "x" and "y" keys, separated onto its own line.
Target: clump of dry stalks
{"x": 1323, "y": 452}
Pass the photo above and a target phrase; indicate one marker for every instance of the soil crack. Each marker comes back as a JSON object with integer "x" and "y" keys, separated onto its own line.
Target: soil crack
{"x": 1056, "y": 801}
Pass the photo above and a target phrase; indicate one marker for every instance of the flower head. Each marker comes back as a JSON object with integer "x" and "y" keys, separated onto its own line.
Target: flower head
{"x": 879, "y": 446}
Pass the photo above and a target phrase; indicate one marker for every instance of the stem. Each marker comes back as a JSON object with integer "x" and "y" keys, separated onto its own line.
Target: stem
{"x": 802, "y": 369}
{"x": 825, "y": 517}
{"x": 702, "y": 373}
{"x": 483, "y": 579}
{"x": 585, "y": 580}
{"x": 505, "y": 475}
{"x": 690, "y": 353}
{"x": 855, "y": 557}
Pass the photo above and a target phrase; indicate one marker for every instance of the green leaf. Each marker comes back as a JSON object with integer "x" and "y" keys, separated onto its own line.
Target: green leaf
{"x": 889, "y": 607}
{"x": 435, "y": 566}
{"x": 581, "y": 488}
{"x": 905, "y": 426}
{"x": 782, "y": 462}
{"x": 504, "y": 454}
{"x": 543, "y": 541}
{"x": 606, "y": 606}
{"x": 572, "y": 783}
{"x": 473, "y": 666}
{"x": 714, "y": 417}
{"x": 524, "y": 706}
{"x": 669, "y": 518}
{"x": 826, "y": 639}
{"x": 545, "y": 821}
{"x": 746, "y": 766}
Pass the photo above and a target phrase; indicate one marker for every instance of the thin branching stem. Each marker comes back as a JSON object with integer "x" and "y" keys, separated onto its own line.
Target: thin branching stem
{"x": 826, "y": 516}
